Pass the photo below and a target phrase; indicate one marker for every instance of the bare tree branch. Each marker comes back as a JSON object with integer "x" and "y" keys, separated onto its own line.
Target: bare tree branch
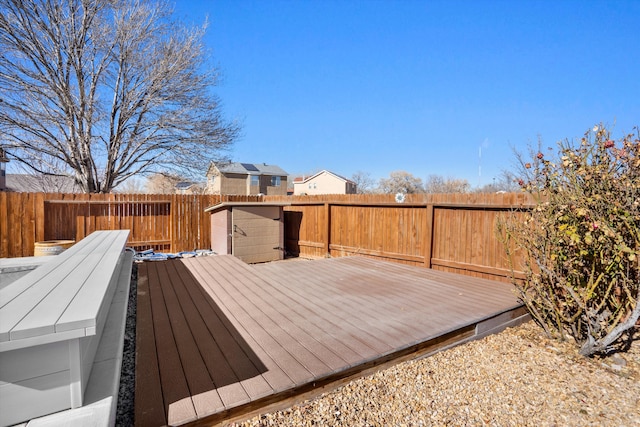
{"x": 364, "y": 182}
{"x": 401, "y": 182}
{"x": 109, "y": 88}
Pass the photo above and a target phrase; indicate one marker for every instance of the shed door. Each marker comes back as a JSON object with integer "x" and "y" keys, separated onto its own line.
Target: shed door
{"x": 257, "y": 233}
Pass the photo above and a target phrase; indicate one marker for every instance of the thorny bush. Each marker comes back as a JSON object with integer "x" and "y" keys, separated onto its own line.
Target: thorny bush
{"x": 581, "y": 241}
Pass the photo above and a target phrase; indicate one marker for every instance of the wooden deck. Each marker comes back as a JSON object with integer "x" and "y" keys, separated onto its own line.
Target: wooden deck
{"x": 217, "y": 338}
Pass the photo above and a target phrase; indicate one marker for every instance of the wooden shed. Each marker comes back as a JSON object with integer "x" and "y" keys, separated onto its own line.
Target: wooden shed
{"x": 253, "y": 232}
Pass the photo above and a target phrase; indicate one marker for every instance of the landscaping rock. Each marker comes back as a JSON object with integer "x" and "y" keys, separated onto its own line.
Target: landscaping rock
{"x": 517, "y": 377}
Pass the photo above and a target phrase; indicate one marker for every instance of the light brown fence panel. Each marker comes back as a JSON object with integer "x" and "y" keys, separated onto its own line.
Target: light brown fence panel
{"x": 465, "y": 241}
{"x": 450, "y": 232}
{"x": 465, "y": 237}
{"x": 185, "y": 222}
{"x": 18, "y": 223}
{"x": 392, "y": 232}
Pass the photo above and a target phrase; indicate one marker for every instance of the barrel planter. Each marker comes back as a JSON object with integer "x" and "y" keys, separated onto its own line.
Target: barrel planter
{"x": 51, "y": 247}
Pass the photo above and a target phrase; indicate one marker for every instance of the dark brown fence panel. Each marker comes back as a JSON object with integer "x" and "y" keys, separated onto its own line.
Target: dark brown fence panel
{"x": 306, "y": 230}
{"x": 75, "y": 217}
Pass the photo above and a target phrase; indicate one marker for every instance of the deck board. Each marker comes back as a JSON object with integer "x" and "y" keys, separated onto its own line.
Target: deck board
{"x": 346, "y": 324}
{"x": 174, "y": 384}
{"x": 228, "y": 338}
{"x": 149, "y": 408}
{"x": 252, "y": 319}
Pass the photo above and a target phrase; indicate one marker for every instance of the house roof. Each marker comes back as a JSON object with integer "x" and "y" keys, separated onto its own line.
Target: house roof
{"x": 301, "y": 181}
{"x": 249, "y": 168}
{"x": 25, "y": 183}
{"x": 184, "y": 185}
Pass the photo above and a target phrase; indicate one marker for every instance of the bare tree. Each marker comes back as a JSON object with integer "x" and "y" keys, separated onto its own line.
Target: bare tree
{"x": 505, "y": 182}
{"x": 26, "y": 180}
{"x": 108, "y": 89}
{"x": 133, "y": 185}
{"x": 401, "y": 182}
{"x": 364, "y": 182}
{"x": 438, "y": 184}
{"x": 162, "y": 183}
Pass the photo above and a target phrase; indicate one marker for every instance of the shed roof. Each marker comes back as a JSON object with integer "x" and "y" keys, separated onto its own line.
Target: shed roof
{"x": 234, "y": 204}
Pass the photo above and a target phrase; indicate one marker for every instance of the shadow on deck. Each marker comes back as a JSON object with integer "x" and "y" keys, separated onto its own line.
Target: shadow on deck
{"x": 219, "y": 339}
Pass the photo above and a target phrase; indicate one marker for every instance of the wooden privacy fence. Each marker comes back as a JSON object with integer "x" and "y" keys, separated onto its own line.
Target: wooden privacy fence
{"x": 449, "y": 232}
{"x": 166, "y": 222}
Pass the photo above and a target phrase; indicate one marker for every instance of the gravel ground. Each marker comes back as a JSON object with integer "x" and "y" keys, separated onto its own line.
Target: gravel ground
{"x": 126, "y": 393}
{"x": 515, "y": 378}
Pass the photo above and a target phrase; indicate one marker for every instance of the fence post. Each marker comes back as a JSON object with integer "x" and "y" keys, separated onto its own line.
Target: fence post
{"x": 172, "y": 225}
{"x": 327, "y": 244}
{"x": 428, "y": 235}
{"x": 39, "y": 217}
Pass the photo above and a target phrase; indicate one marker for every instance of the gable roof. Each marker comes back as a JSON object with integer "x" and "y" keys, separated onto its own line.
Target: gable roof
{"x": 301, "y": 181}
{"x": 248, "y": 168}
{"x": 184, "y": 185}
{"x": 26, "y": 183}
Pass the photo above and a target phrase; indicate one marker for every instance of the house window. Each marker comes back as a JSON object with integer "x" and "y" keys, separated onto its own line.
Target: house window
{"x": 275, "y": 181}
{"x": 255, "y": 180}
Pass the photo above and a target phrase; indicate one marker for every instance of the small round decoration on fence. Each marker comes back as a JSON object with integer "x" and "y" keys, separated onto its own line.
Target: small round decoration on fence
{"x": 51, "y": 247}
{"x": 400, "y": 197}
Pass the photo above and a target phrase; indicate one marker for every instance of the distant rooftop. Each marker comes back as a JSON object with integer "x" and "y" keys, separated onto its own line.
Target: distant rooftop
{"x": 184, "y": 185}
{"x": 303, "y": 179}
{"x": 26, "y": 183}
{"x": 250, "y": 168}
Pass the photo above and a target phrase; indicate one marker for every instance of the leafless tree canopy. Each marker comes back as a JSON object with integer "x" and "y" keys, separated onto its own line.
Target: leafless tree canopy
{"x": 162, "y": 183}
{"x": 106, "y": 89}
{"x": 364, "y": 182}
{"x": 134, "y": 185}
{"x": 438, "y": 184}
{"x": 401, "y": 182}
{"x": 505, "y": 182}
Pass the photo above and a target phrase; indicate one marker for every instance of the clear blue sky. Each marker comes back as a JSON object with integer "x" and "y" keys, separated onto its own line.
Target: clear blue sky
{"x": 420, "y": 86}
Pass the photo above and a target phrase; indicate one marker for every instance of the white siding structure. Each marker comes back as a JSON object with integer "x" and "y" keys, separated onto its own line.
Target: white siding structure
{"x": 324, "y": 182}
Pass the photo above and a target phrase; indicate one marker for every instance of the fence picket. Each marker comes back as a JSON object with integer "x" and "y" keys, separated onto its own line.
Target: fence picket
{"x": 446, "y": 231}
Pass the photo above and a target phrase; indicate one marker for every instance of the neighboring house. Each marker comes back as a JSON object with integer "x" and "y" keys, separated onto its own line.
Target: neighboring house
{"x": 324, "y": 182}
{"x": 31, "y": 183}
{"x": 26, "y": 183}
{"x": 246, "y": 179}
{"x": 187, "y": 187}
